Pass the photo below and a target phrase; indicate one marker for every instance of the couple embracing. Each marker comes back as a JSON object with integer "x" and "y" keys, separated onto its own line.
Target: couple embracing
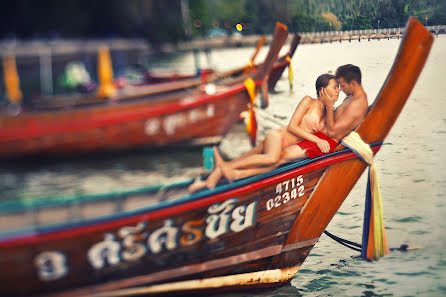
{"x": 315, "y": 129}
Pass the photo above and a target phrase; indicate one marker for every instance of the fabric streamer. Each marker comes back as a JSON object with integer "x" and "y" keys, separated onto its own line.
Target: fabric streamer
{"x": 106, "y": 87}
{"x": 251, "y": 124}
{"x": 249, "y": 67}
{"x": 374, "y": 241}
{"x": 11, "y": 77}
{"x": 290, "y": 72}
{"x": 208, "y": 158}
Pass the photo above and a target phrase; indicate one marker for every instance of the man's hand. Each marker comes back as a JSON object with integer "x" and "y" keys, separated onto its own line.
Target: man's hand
{"x": 323, "y": 145}
{"x": 327, "y": 98}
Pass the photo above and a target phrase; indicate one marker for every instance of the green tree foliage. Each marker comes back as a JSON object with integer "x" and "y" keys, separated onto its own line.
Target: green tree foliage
{"x": 162, "y": 20}
{"x": 199, "y": 17}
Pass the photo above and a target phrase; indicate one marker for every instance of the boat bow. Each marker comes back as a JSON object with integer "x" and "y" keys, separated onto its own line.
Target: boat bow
{"x": 339, "y": 179}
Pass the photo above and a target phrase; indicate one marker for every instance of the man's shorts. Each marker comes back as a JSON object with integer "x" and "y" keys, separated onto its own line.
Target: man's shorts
{"x": 312, "y": 151}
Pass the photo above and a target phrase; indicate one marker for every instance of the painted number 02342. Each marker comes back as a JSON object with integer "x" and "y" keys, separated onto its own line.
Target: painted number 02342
{"x": 287, "y": 190}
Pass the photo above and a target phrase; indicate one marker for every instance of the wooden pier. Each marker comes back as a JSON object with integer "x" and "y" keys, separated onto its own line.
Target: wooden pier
{"x": 307, "y": 37}
{"x": 339, "y": 36}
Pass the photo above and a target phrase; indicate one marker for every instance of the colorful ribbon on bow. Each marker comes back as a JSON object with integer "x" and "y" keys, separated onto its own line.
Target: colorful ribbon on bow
{"x": 12, "y": 82}
{"x": 249, "y": 67}
{"x": 251, "y": 123}
{"x": 374, "y": 241}
{"x": 290, "y": 72}
{"x": 106, "y": 87}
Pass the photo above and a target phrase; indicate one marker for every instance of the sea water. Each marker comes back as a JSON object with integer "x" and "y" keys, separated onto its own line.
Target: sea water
{"x": 411, "y": 166}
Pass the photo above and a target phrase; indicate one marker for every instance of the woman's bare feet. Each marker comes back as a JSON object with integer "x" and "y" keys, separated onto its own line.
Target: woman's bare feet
{"x": 229, "y": 173}
{"x": 196, "y": 185}
{"x": 213, "y": 178}
{"x": 218, "y": 159}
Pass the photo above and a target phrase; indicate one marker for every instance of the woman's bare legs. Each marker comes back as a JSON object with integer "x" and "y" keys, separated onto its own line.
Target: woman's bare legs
{"x": 290, "y": 153}
{"x": 215, "y": 176}
{"x": 272, "y": 147}
{"x": 233, "y": 174}
{"x": 209, "y": 183}
{"x": 196, "y": 185}
{"x": 258, "y": 149}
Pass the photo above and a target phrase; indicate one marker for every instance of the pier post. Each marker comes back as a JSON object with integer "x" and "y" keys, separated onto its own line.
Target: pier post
{"x": 46, "y": 72}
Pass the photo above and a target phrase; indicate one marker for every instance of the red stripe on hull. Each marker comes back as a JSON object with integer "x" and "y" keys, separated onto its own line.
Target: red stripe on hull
{"x": 36, "y": 129}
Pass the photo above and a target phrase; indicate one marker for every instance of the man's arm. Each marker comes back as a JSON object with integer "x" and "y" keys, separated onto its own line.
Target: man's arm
{"x": 352, "y": 114}
{"x": 345, "y": 122}
{"x": 328, "y": 101}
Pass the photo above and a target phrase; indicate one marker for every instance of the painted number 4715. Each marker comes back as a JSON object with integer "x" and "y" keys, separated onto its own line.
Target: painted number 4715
{"x": 287, "y": 190}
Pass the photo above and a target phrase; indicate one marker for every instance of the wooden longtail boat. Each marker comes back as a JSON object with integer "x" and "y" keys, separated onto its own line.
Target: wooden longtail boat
{"x": 254, "y": 232}
{"x": 275, "y": 74}
{"x": 185, "y": 116}
{"x": 153, "y": 85}
{"x": 154, "y": 77}
{"x": 282, "y": 63}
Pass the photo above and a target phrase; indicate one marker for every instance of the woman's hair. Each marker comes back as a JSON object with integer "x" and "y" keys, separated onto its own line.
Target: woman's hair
{"x": 322, "y": 81}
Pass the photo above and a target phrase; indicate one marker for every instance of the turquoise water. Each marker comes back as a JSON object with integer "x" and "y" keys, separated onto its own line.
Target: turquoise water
{"x": 411, "y": 164}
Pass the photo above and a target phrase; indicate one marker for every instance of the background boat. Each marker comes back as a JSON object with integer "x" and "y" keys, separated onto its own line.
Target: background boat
{"x": 283, "y": 62}
{"x": 276, "y": 72}
{"x": 201, "y": 115}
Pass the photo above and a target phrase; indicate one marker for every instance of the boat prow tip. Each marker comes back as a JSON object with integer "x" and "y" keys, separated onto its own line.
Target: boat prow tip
{"x": 282, "y": 26}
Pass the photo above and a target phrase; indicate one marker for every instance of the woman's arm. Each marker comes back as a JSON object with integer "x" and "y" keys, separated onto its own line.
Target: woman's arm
{"x": 294, "y": 125}
{"x": 296, "y": 119}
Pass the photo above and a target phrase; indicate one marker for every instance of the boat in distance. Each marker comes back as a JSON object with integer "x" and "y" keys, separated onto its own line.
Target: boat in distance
{"x": 196, "y": 116}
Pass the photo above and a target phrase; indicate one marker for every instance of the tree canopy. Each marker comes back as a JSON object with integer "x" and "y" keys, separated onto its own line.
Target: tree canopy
{"x": 165, "y": 20}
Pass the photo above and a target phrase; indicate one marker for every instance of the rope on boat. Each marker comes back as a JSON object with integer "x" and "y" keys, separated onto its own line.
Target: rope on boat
{"x": 350, "y": 244}
{"x": 270, "y": 118}
{"x": 358, "y": 247}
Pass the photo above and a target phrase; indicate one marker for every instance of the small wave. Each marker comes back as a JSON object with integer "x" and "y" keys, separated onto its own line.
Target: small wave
{"x": 418, "y": 180}
{"x": 419, "y": 232}
{"x": 344, "y": 213}
{"x": 413, "y": 273}
{"x": 409, "y": 219}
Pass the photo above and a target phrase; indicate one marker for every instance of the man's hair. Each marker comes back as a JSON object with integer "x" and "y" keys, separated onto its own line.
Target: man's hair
{"x": 322, "y": 81}
{"x": 349, "y": 72}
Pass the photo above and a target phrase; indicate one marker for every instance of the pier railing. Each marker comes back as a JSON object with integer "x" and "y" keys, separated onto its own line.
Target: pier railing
{"x": 387, "y": 33}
